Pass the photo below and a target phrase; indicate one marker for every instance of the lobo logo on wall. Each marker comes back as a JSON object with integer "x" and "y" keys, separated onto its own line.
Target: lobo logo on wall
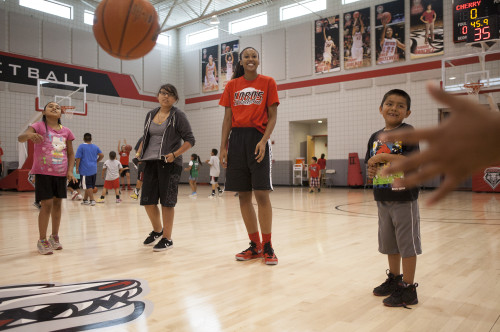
{"x": 72, "y": 307}
{"x": 492, "y": 176}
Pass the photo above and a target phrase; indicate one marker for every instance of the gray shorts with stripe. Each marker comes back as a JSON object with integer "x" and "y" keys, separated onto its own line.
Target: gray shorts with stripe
{"x": 399, "y": 228}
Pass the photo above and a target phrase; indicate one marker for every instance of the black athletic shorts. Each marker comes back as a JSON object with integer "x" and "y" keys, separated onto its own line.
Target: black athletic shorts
{"x": 74, "y": 185}
{"x": 122, "y": 174}
{"x": 49, "y": 186}
{"x": 243, "y": 172}
{"x": 161, "y": 181}
{"x": 88, "y": 181}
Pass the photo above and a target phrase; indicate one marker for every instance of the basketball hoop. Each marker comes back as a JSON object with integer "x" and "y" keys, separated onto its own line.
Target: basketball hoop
{"x": 68, "y": 112}
{"x": 473, "y": 88}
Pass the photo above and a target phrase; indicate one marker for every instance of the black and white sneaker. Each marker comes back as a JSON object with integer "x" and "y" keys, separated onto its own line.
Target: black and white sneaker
{"x": 152, "y": 237}
{"x": 163, "y": 244}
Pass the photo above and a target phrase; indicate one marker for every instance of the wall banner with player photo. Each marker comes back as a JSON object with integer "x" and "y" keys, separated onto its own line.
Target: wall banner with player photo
{"x": 229, "y": 53}
{"x": 209, "y": 65}
{"x": 357, "y": 41}
{"x": 326, "y": 45}
{"x": 426, "y": 28}
{"x": 390, "y": 32}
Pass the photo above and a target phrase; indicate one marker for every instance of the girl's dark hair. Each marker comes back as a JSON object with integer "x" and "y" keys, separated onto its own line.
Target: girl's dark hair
{"x": 112, "y": 155}
{"x": 315, "y": 159}
{"x": 169, "y": 88}
{"x": 239, "y": 70}
{"x": 322, "y": 156}
{"x": 44, "y": 119}
{"x": 196, "y": 157}
{"x": 214, "y": 151}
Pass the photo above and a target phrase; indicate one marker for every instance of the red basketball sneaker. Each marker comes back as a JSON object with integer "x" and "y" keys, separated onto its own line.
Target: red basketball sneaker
{"x": 251, "y": 253}
{"x": 269, "y": 255}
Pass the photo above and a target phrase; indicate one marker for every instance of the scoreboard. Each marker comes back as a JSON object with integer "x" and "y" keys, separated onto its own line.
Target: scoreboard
{"x": 475, "y": 20}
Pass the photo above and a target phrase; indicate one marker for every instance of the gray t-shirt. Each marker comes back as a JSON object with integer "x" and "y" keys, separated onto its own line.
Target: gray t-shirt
{"x": 156, "y": 133}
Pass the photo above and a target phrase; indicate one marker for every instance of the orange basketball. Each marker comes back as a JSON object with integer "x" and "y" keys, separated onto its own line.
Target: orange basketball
{"x": 126, "y": 29}
{"x": 386, "y": 17}
{"x": 128, "y": 148}
{"x": 95, "y": 190}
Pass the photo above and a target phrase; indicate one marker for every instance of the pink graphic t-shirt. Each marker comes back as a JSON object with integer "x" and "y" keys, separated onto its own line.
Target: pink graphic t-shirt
{"x": 50, "y": 156}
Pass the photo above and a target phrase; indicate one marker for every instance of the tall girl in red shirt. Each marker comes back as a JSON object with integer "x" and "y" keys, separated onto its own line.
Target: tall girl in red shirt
{"x": 251, "y": 105}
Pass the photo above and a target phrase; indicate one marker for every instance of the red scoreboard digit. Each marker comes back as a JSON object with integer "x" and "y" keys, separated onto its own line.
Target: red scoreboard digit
{"x": 466, "y": 11}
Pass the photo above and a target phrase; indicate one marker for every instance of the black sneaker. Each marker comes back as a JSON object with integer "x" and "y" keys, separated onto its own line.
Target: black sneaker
{"x": 152, "y": 238}
{"x": 163, "y": 244}
{"x": 403, "y": 295}
{"x": 388, "y": 286}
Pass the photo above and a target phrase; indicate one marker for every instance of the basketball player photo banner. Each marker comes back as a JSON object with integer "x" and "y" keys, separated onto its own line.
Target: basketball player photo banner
{"x": 357, "y": 45}
{"x": 390, "y": 32}
{"x": 426, "y": 28}
{"x": 229, "y": 53}
{"x": 209, "y": 71}
{"x": 326, "y": 45}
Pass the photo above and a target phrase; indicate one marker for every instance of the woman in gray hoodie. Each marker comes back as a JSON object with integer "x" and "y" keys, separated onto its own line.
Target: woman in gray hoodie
{"x": 167, "y": 135}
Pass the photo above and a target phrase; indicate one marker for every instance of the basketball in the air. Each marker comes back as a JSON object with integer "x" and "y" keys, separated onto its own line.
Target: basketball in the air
{"x": 126, "y": 29}
{"x": 386, "y": 17}
{"x": 128, "y": 148}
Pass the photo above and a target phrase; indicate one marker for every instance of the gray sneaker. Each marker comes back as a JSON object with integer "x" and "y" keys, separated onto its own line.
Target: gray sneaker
{"x": 85, "y": 202}
{"x": 44, "y": 247}
{"x": 92, "y": 203}
{"x": 54, "y": 242}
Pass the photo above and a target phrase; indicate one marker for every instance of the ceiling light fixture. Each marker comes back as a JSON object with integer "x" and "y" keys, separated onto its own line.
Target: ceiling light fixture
{"x": 214, "y": 20}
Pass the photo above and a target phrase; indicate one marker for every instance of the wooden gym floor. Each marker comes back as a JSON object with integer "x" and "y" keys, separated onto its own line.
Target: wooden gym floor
{"x": 328, "y": 262}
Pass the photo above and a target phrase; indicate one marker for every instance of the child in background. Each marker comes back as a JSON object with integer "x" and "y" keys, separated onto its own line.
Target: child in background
{"x": 1, "y": 164}
{"x": 194, "y": 165}
{"x": 74, "y": 186}
{"x": 111, "y": 175}
{"x": 398, "y": 213}
{"x": 124, "y": 160}
{"x": 314, "y": 170}
{"x": 214, "y": 172}
{"x": 87, "y": 157}
{"x": 53, "y": 161}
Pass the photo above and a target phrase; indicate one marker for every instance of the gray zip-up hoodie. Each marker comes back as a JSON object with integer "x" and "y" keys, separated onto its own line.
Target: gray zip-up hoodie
{"x": 176, "y": 131}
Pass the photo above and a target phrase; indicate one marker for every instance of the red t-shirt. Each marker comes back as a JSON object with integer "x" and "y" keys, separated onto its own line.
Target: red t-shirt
{"x": 428, "y": 16}
{"x": 249, "y": 101}
{"x": 314, "y": 170}
{"x": 322, "y": 163}
{"x": 124, "y": 157}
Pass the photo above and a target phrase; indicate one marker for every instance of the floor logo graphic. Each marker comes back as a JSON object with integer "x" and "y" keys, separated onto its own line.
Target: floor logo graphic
{"x": 72, "y": 307}
{"x": 492, "y": 176}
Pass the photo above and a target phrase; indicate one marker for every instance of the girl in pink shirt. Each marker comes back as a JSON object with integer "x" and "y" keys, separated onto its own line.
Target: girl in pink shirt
{"x": 53, "y": 161}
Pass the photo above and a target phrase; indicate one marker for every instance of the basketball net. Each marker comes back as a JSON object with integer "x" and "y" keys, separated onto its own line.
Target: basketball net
{"x": 67, "y": 112}
{"x": 473, "y": 88}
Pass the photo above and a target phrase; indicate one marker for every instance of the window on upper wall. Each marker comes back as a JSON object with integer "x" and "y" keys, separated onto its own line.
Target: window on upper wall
{"x": 163, "y": 39}
{"x": 346, "y": 2}
{"x": 88, "y": 17}
{"x": 301, "y": 8}
{"x": 50, "y": 7}
{"x": 248, "y": 23}
{"x": 203, "y": 35}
